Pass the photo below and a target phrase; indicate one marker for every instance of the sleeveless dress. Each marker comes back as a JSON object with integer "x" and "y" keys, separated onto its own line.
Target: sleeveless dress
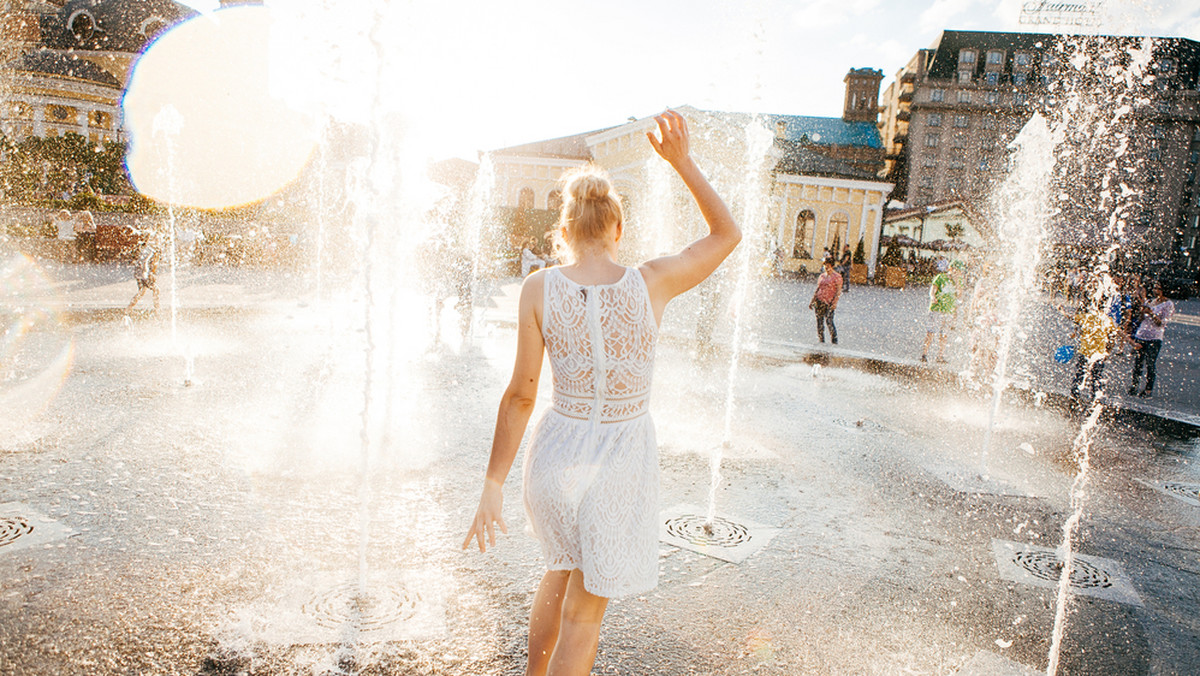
{"x": 591, "y": 468}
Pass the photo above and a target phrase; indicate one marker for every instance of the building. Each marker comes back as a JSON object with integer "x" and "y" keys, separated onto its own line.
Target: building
{"x": 66, "y": 64}
{"x": 816, "y": 183}
{"x": 947, "y": 119}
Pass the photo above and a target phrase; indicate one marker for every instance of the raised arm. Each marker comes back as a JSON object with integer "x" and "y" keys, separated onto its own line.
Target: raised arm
{"x": 670, "y": 276}
{"x": 515, "y": 408}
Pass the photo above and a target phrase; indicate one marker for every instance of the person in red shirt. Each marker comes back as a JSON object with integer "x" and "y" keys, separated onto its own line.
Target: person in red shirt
{"x": 825, "y": 300}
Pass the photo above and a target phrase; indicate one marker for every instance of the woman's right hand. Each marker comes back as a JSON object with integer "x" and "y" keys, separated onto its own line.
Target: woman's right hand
{"x": 487, "y": 517}
{"x": 675, "y": 145}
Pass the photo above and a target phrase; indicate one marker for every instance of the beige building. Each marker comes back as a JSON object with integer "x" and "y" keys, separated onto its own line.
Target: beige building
{"x": 799, "y": 202}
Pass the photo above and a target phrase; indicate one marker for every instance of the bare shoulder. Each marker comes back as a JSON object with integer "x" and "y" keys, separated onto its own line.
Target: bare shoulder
{"x": 531, "y": 290}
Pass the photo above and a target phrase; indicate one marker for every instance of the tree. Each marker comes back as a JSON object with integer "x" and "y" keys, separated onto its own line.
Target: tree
{"x": 860, "y": 253}
{"x": 955, "y": 230}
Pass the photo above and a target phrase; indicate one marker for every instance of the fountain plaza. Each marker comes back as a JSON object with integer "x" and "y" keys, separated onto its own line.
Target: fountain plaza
{"x": 201, "y": 492}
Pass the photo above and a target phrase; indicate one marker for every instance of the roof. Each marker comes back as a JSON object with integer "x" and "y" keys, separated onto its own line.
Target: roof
{"x": 110, "y": 25}
{"x": 832, "y": 131}
{"x": 46, "y": 62}
{"x": 573, "y": 147}
{"x": 799, "y": 160}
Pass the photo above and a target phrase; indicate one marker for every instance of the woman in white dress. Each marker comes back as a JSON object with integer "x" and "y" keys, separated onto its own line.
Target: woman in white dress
{"x": 591, "y": 469}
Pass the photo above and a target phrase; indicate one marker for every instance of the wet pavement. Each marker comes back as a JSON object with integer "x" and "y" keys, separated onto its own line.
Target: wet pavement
{"x": 223, "y": 527}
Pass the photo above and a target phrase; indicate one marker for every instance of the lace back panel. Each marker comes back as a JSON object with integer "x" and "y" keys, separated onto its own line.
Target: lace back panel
{"x": 604, "y": 385}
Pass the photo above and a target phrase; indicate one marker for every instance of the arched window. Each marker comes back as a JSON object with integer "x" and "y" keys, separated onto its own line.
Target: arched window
{"x": 525, "y": 199}
{"x": 554, "y": 200}
{"x": 802, "y": 243}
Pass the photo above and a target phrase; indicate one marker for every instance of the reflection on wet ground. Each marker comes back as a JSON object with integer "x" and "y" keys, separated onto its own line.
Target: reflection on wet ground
{"x": 225, "y": 526}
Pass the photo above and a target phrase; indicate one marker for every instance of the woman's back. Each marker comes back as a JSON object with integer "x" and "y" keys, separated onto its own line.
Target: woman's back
{"x": 605, "y": 385}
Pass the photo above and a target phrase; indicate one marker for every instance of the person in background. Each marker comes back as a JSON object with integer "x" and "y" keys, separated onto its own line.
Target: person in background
{"x": 825, "y": 299}
{"x": 1096, "y": 332}
{"x": 843, "y": 267}
{"x": 85, "y": 235}
{"x": 145, "y": 271}
{"x": 943, "y": 306}
{"x": 1147, "y": 340}
{"x": 64, "y": 225}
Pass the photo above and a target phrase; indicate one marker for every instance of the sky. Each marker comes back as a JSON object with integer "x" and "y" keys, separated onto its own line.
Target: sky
{"x": 476, "y": 75}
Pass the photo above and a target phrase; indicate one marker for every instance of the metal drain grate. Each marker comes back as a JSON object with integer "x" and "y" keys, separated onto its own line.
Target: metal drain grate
{"x": 1042, "y": 567}
{"x": 22, "y": 528}
{"x": 726, "y": 538}
{"x": 326, "y": 607}
{"x": 1187, "y": 492}
{"x": 12, "y": 528}
{"x": 1047, "y": 566}
{"x": 369, "y": 610}
{"x": 721, "y": 533}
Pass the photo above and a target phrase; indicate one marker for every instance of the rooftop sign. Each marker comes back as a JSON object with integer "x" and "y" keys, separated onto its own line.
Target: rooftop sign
{"x": 1061, "y": 13}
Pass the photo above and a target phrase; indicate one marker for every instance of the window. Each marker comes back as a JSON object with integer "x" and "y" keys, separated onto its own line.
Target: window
{"x": 937, "y": 95}
{"x": 964, "y": 96}
{"x": 932, "y": 140}
{"x": 1158, "y": 131}
{"x": 926, "y": 182}
{"x": 954, "y": 182}
{"x": 964, "y": 77}
{"x": 554, "y": 200}
{"x": 1166, "y": 65}
{"x": 991, "y": 98}
{"x": 960, "y": 120}
{"x": 525, "y": 198}
{"x": 1020, "y": 98}
{"x": 992, "y": 78}
{"x": 1023, "y": 59}
{"x": 1019, "y": 79}
{"x": 985, "y": 163}
{"x": 935, "y": 119}
{"x": 995, "y": 57}
{"x": 803, "y": 235}
{"x": 1195, "y": 157}
{"x": 966, "y": 56}
{"x": 989, "y": 123}
{"x": 839, "y": 227}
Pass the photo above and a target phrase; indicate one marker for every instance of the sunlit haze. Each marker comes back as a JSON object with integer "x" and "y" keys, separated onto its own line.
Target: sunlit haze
{"x": 463, "y": 77}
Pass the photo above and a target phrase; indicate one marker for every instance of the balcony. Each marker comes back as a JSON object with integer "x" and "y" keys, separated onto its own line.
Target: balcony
{"x": 903, "y": 115}
{"x": 900, "y": 138}
{"x": 906, "y": 96}
{"x": 908, "y": 77}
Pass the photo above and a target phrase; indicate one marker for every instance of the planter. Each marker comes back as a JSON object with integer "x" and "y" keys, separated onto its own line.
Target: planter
{"x": 858, "y": 273}
{"x": 894, "y": 278}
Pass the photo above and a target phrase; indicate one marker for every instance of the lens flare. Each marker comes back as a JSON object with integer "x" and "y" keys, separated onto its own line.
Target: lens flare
{"x": 230, "y": 140}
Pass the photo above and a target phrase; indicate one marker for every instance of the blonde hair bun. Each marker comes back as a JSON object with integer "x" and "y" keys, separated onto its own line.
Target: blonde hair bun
{"x": 590, "y": 208}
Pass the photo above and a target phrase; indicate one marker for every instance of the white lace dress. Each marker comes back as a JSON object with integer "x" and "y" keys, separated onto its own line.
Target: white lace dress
{"x": 591, "y": 469}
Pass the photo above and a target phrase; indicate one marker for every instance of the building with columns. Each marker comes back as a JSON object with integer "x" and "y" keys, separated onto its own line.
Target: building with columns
{"x": 66, "y": 64}
{"x": 796, "y": 184}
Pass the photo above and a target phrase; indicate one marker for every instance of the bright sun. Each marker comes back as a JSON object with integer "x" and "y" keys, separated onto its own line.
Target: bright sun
{"x": 205, "y": 129}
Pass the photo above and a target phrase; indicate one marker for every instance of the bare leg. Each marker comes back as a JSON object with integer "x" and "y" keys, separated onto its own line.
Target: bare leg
{"x": 928, "y": 342}
{"x": 941, "y": 347}
{"x": 544, "y": 618}
{"x": 136, "y": 298}
{"x": 579, "y": 631}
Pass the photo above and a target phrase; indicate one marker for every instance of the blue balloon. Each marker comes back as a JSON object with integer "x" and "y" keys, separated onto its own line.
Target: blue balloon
{"x": 1064, "y": 354}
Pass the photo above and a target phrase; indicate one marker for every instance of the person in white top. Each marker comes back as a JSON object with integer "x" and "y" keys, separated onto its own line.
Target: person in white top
{"x": 1147, "y": 340}
{"x": 591, "y": 472}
